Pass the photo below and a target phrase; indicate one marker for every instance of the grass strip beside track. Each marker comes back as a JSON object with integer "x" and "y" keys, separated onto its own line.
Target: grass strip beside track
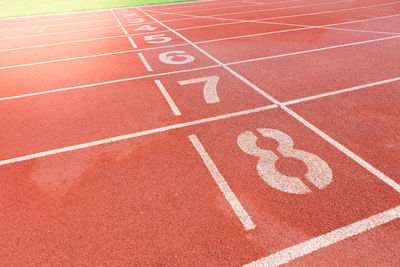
{"x": 17, "y": 8}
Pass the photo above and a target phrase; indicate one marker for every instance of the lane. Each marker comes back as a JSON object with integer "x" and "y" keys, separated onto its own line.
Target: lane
{"x": 386, "y": 24}
{"x": 6, "y": 33}
{"x": 104, "y": 15}
{"x": 54, "y": 17}
{"x": 338, "y": 17}
{"x": 40, "y": 123}
{"x": 283, "y": 43}
{"x": 314, "y": 9}
{"x": 231, "y": 30}
{"x": 52, "y": 38}
{"x": 302, "y": 75}
{"x": 98, "y": 69}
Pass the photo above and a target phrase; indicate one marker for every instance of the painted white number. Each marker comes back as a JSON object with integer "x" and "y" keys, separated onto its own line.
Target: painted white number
{"x": 157, "y": 39}
{"x": 210, "y": 87}
{"x": 318, "y": 172}
{"x": 175, "y": 57}
{"x": 135, "y": 20}
{"x": 145, "y": 28}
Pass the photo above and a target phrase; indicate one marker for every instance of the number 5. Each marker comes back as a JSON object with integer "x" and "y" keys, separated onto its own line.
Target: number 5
{"x": 157, "y": 39}
{"x": 210, "y": 88}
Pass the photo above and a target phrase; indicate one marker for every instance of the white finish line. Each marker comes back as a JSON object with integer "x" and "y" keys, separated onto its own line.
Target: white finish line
{"x": 309, "y": 246}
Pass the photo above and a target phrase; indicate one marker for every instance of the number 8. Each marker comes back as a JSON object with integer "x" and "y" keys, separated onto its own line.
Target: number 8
{"x": 318, "y": 172}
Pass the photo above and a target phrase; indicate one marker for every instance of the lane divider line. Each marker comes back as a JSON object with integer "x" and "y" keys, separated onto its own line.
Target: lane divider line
{"x": 133, "y": 135}
{"x": 145, "y": 63}
{"x": 168, "y": 98}
{"x": 124, "y": 30}
{"x": 223, "y": 185}
{"x": 104, "y": 83}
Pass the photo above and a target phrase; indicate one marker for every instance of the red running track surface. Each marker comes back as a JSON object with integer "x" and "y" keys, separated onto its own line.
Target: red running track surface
{"x": 202, "y": 133}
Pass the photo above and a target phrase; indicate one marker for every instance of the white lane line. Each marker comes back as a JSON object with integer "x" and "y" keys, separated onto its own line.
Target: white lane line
{"x": 323, "y": 135}
{"x": 60, "y": 24}
{"x": 363, "y": 20}
{"x": 104, "y": 83}
{"x": 168, "y": 98}
{"x": 312, "y": 50}
{"x": 42, "y": 28}
{"x": 124, "y": 30}
{"x": 91, "y": 56}
{"x": 132, "y": 43}
{"x": 224, "y": 7}
{"x": 355, "y": 88}
{"x": 223, "y": 185}
{"x": 330, "y": 11}
{"x": 322, "y": 241}
{"x": 41, "y": 22}
{"x": 132, "y": 135}
{"x": 145, "y": 63}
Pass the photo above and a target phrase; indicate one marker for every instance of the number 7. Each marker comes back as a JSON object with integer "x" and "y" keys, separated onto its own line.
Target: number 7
{"x": 210, "y": 88}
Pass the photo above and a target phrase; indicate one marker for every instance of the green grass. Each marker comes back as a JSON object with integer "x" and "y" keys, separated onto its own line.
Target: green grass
{"x": 16, "y": 8}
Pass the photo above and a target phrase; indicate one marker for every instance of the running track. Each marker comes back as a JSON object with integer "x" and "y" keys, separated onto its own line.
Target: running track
{"x": 207, "y": 133}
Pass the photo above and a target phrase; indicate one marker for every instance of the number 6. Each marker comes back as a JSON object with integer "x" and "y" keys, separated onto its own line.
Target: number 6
{"x": 168, "y": 57}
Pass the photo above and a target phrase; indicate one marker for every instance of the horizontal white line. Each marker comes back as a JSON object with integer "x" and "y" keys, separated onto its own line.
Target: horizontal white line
{"x": 104, "y": 83}
{"x": 314, "y": 244}
{"x": 314, "y": 13}
{"x": 61, "y": 24}
{"x": 313, "y": 50}
{"x": 223, "y": 7}
{"x": 332, "y": 11}
{"x": 46, "y": 21}
{"x": 363, "y": 20}
{"x": 91, "y": 56}
{"x": 299, "y": 100}
{"x": 223, "y": 185}
{"x": 133, "y": 135}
